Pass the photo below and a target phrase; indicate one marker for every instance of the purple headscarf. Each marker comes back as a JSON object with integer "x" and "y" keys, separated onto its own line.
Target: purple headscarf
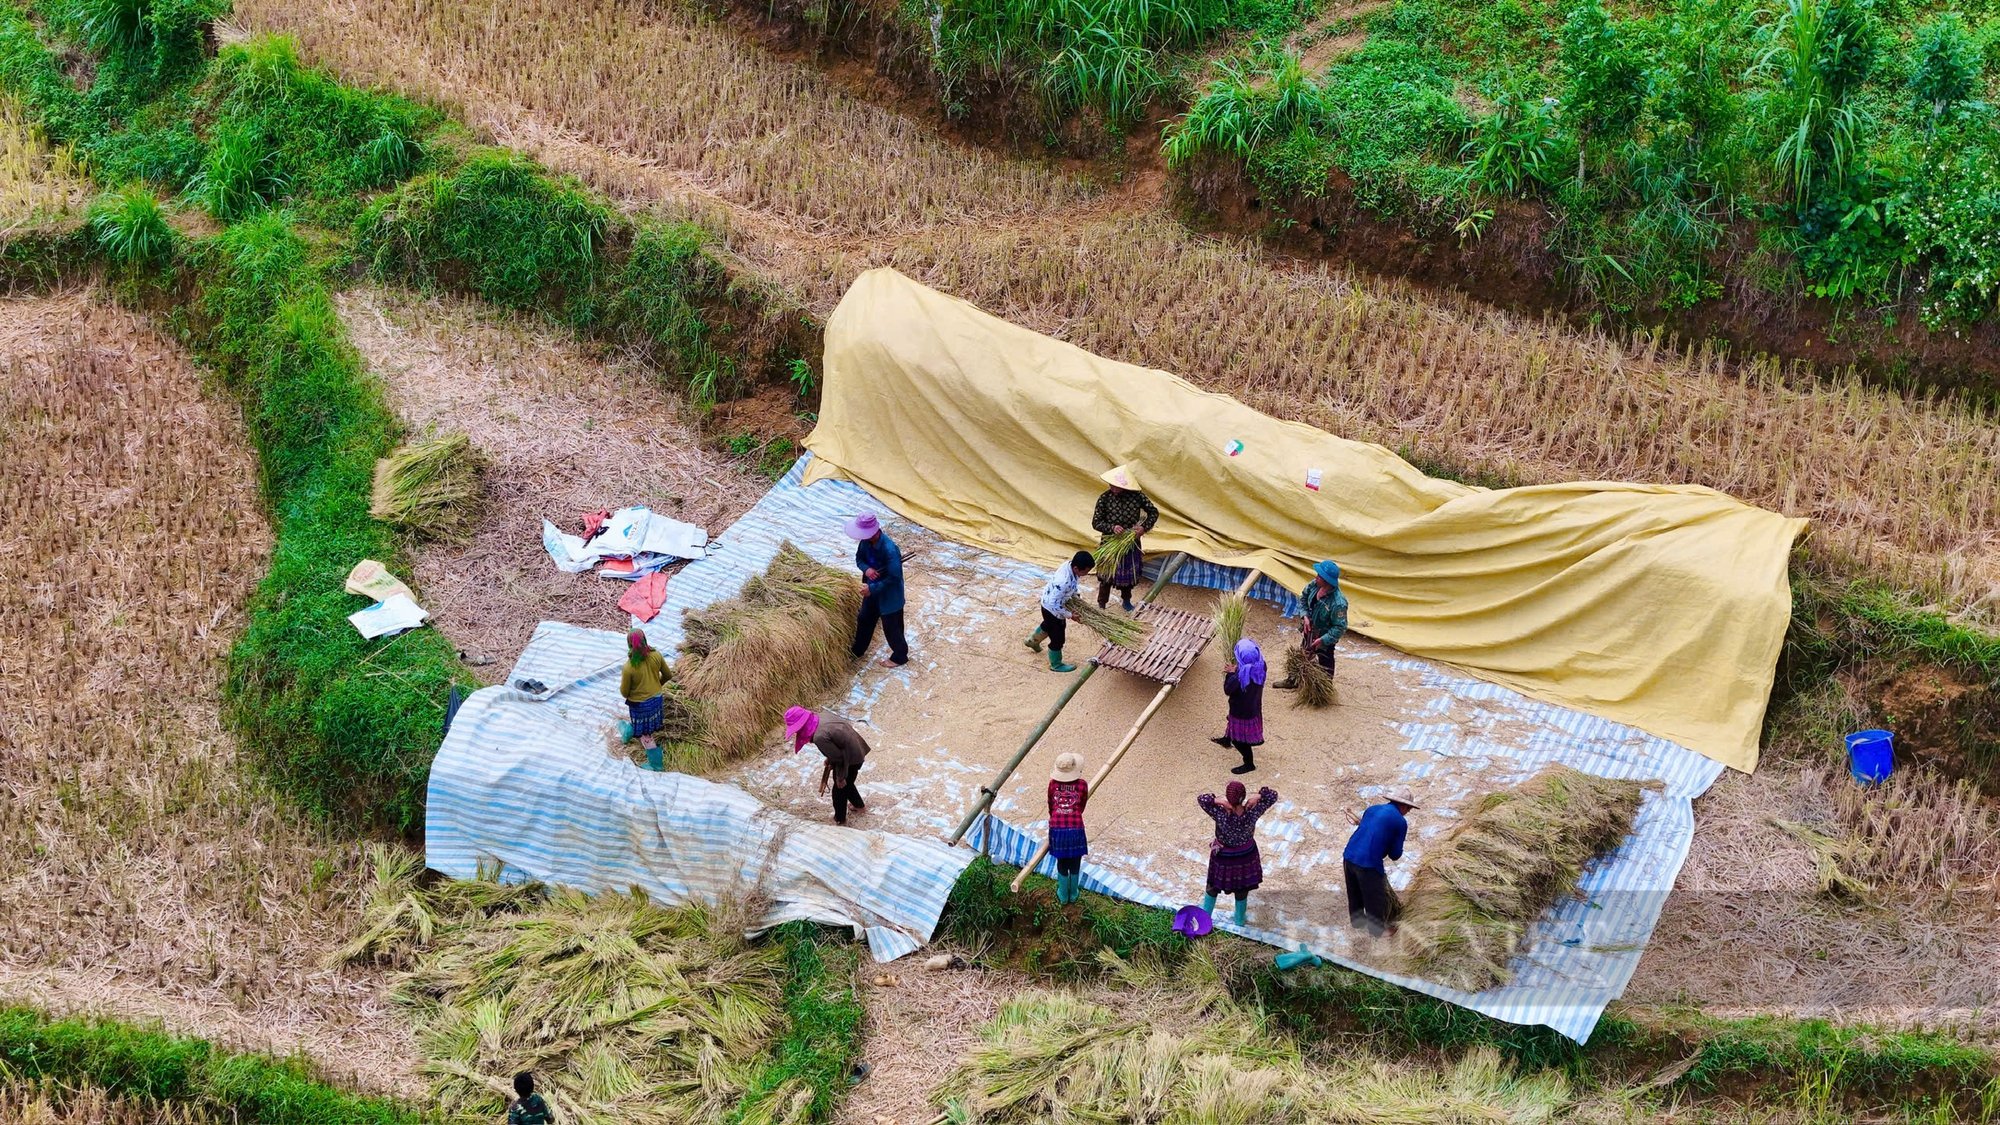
{"x": 1249, "y": 663}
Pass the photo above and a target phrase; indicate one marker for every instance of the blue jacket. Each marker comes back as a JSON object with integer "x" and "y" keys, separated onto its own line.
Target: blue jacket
{"x": 881, "y": 555}
{"x": 1379, "y": 836}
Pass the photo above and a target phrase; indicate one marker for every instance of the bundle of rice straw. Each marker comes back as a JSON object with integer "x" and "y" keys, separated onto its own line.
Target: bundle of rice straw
{"x": 404, "y": 915}
{"x": 628, "y": 1013}
{"x": 1515, "y": 854}
{"x": 1315, "y": 682}
{"x": 430, "y": 486}
{"x": 1230, "y": 612}
{"x": 1055, "y": 1057}
{"x": 1120, "y": 630}
{"x": 1112, "y": 551}
{"x": 783, "y": 640}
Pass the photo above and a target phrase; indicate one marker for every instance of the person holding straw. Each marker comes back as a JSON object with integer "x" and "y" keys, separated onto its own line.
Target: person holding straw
{"x": 1068, "y": 793}
{"x": 1234, "y": 865}
{"x": 643, "y": 683}
{"x": 880, "y": 562}
{"x": 1324, "y": 618}
{"x": 1122, "y": 510}
{"x": 1243, "y": 685}
{"x": 1379, "y": 833}
{"x": 1056, "y": 593}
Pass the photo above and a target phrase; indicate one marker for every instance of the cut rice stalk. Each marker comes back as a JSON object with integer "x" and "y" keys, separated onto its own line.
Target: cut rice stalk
{"x": 1229, "y": 616}
{"x": 783, "y": 640}
{"x": 430, "y": 486}
{"x": 1116, "y": 628}
{"x": 1112, "y": 551}
{"x": 1315, "y": 683}
{"x": 1516, "y": 854}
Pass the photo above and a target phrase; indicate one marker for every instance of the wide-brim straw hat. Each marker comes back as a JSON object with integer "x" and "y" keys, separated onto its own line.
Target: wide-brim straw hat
{"x": 1121, "y": 476}
{"x": 1069, "y": 767}
{"x": 864, "y": 526}
{"x": 1402, "y": 797}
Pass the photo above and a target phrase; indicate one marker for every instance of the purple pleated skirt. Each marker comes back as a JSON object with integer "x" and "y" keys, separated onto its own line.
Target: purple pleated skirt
{"x": 1235, "y": 869}
{"x": 1250, "y": 732}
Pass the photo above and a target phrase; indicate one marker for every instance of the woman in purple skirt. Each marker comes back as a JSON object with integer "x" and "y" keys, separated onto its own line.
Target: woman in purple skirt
{"x": 1243, "y": 683}
{"x": 1234, "y": 867}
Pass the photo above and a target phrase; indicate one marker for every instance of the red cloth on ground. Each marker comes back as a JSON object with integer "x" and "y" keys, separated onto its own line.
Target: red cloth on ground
{"x": 646, "y": 596}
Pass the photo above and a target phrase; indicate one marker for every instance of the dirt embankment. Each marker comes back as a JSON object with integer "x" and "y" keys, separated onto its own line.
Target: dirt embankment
{"x": 875, "y": 54}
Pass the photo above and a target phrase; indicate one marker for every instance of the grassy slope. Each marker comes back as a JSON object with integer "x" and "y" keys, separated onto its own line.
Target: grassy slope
{"x": 144, "y": 1064}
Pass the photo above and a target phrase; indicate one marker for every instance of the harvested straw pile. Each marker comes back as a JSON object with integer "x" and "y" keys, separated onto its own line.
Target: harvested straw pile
{"x": 1230, "y": 613}
{"x": 1116, "y": 628}
{"x": 1515, "y": 855}
{"x": 430, "y": 486}
{"x": 628, "y": 1012}
{"x": 48, "y": 1102}
{"x": 1054, "y": 1057}
{"x": 1315, "y": 690}
{"x": 783, "y": 640}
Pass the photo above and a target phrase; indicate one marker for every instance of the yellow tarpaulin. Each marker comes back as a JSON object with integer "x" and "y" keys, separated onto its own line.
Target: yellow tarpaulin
{"x": 1662, "y": 607}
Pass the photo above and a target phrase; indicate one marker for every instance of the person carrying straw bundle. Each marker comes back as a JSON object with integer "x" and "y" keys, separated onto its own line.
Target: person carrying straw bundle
{"x": 880, "y": 562}
{"x": 842, "y": 746}
{"x": 1068, "y": 793}
{"x": 643, "y": 683}
{"x": 1122, "y": 518}
{"x": 1234, "y": 865}
{"x": 1243, "y": 685}
{"x": 1378, "y": 836}
{"x": 1057, "y": 591}
{"x": 1323, "y": 621}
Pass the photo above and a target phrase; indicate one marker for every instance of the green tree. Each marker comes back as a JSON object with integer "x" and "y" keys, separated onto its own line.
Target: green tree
{"x": 1944, "y": 67}
{"x": 1606, "y": 75}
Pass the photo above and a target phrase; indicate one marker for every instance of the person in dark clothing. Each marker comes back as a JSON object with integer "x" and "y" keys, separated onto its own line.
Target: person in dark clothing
{"x": 845, "y": 751}
{"x": 1323, "y": 619}
{"x": 1068, "y": 843}
{"x": 1378, "y": 836}
{"x": 1122, "y": 508}
{"x": 528, "y": 1108}
{"x": 1243, "y": 684}
{"x": 881, "y": 564}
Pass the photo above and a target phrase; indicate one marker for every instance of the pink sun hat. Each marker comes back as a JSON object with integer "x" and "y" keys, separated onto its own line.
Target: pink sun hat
{"x": 801, "y": 725}
{"x": 864, "y": 526}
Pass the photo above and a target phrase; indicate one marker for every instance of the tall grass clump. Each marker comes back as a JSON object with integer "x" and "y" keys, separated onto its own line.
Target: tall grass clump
{"x": 430, "y": 486}
{"x": 345, "y": 725}
{"x": 131, "y": 227}
{"x": 1055, "y": 1057}
{"x": 1517, "y": 853}
{"x": 783, "y": 640}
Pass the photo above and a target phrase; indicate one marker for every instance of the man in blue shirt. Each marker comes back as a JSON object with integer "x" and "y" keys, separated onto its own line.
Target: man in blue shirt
{"x": 1378, "y": 836}
{"x": 881, "y": 564}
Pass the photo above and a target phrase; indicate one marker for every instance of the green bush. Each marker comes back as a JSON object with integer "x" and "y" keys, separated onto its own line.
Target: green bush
{"x": 499, "y": 227}
{"x": 153, "y": 1066}
{"x": 131, "y": 228}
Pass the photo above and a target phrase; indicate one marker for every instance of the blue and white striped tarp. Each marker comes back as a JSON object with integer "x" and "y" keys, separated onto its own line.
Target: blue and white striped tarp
{"x": 538, "y": 787}
{"x": 1577, "y": 960}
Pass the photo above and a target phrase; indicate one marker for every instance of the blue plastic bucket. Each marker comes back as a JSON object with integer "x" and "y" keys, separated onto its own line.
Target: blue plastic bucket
{"x": 1871, "y": 754}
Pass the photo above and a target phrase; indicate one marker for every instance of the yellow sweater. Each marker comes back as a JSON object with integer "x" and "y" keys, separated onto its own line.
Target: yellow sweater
{"x": 646, "y": 679}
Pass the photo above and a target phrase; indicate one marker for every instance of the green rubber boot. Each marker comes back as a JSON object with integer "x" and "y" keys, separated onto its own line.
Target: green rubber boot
{"x": 1034, "y": 641}
{"x": 1208, "y": 904}
{"x": 1242, "y": 910}
{"x": 1056, "y": 662}
{"x": 1065, "y": 893}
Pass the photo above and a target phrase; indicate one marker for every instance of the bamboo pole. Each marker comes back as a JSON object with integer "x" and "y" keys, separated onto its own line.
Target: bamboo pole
{"x": 986, "y": 794}
{"x": 1125, "y": 744}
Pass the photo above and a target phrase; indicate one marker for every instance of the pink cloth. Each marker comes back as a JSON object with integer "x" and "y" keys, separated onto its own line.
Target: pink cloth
{"x": 645, "y": 598}
{"x": 801, "y": 724}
